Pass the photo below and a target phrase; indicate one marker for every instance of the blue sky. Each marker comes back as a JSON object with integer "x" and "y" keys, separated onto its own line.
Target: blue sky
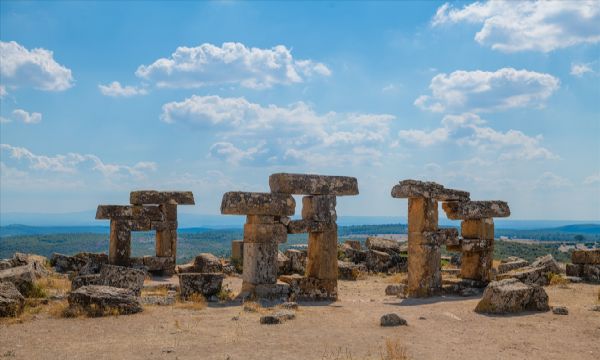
{"x": 502, "y": 100}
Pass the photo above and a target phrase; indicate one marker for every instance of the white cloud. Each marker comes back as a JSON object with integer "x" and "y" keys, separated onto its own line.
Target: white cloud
{"x": 467, "y": 129}
{"x": 592, "y": 179}
{"x": 484, "y": 91}
{"x": 551, "y": 181}
{"x": 72, "y": 163}
{"x": 27, "y": 118}
{"x": 3, "y": 91}
{"x": 34, "y": 68}
{"x": 232, "y": 63}
{"x": 512, "y": 26}
{"x": 115, "y": 89}
{"x": 580, "y": 70}
{"x": 269, "y": 135}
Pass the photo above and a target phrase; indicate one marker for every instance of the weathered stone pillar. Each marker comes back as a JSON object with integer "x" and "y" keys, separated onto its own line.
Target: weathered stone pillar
{"x": 262, "y": 235}
{"x": 119, "y": 251}
{"x": 424, "y": 238}
{"x": 477, "y": 230}
{"x": 237, "y": 250}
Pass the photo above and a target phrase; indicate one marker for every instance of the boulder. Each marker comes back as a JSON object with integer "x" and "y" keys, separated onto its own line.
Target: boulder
{"x": 97, "y": 300}
{"x": 560, "y": 310}
{"x": 385, "y": 245}
{"x": 122, "y": 277}
{"x": 23, "y": 277}
{"x": 277, "y": 318}
{"x": 207, "y": 263}
{"x": 283, "y": 263}
{"x": 508, "y": 266}
{"x": 378, "y": 261}
{"x": 392, "y": 320}
{"x": 538, "y": 273}
{"x": 512, "y": 296}
{"x": 395, "y": 289}
{"x": 84, "y": 280}
{"x": 11, "y": 300}
{"x": 205, "y": 284}
{"x": 350, "y": 271}
{"x": 297, "y": 260}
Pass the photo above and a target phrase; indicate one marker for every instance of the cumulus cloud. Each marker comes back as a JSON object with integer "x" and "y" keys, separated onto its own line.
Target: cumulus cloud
{"x": 485, "y": 91}
{"x": 36, "y": 68}
{"x": 27, "y": 118}
{"x": 115, "y": 89}
{"x": 592, "y": 179}
{"x": 468, "y": 129}
{"x": 512, "y": 26}
{"x": 231, "y": 63}
{"x": 3, "y": 91}
{"x": 550, "y": 180}
{"x": 72, "y": 163}
{"x": 582, "y": 69}
{"x": 263, "y": 135}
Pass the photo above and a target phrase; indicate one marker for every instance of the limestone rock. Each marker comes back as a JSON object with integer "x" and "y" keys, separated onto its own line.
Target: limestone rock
{"x": 129, "y": 212}
{"x": 277, "y": 318}
{"x": 586, "y": 256}
{"x": 560, "y": 310}
{"x": 305, "y": 226}
{"x": 254, "y": 203}
{"x": 308, "y": 184}
{"x": 392, "y": 320}
{"x": 385, "y": 245}
{"x": 378, "y": 261}
{"x": 464, "y": 210}
{"x": 205, "y": 284}
{"x": 354, "y": 244}
{"x": 283, "y": 263}
{"x": 99, "y": 300}
{"x": 91, "y": 261}
{"x": 306, "y": 288}
{"x": 512, "y": 296}
{"x": 591, "y": 273}
{"x": 11, "y": 300}
{"x": 265, "y": 233}
{"x": 122, "y": 277}
{"x": 574, "y": 270}
{"x": 535, "y": 274}
{"x": 290, "y": 305}
{"x": 22, "y": 277}
{"x": 278, "y": 292}
{"x": 350, "y": 271}
{"x": 84, "y": 280}
{"x": 429, "y": 190}
{"x": 207, "y": 263}
{"x": 319, "y": 208}
{"x": 508, "y": 266}
{"x": 548, "y": 263}
{"x": 395, "y": 289}
{"x": 143, "y": 197}
{"x": 159, "y": 263}
{"x": 297, "y": 260}
{"x": 5, "y": 264}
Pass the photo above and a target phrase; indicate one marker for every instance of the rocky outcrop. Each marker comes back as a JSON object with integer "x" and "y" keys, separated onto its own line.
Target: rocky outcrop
{"x": 97, "y": 300}
{"x": 512, "y": 296}
{"x": 207, "y": 263}
{"x": 11, "y": 300}
{"x": 538, "y": 273}
{"x": 350, "y": 271}
{"x": 22, "y": 277}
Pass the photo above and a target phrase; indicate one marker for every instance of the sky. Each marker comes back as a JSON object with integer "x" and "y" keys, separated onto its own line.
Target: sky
{"x": 498, "y": 99}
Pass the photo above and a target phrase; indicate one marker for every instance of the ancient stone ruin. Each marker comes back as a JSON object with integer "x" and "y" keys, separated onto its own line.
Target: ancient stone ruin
{"x": 586, "y": 265}
{"x": 149, "y": 210}
{"x": 268, "y": 223}
{"x": 425, "y": 239}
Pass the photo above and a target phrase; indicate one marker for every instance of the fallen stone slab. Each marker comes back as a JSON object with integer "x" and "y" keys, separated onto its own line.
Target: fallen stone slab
{"x": 158, "y": 300}
{"x": 392, "y": 320}
{"x": 22, "y": 277}
{"x": 309, "y": 184}
{"x": 205, "y": 284}
{"x": 591, "y": 273}
{"x": 350, "y": 271}
{"x": 207, "y": 263}
{"x": 586, "y": 257}
{"x": 143, "y": 197}
{"x": 508, "y": 266}
{"x": 84, "y": 280}
{"x": 471, "y": 210}
{"x": 11, "y": 300}
{"x": 278, "y": 292}
{"x": 129, "y": 212}
{"x": 277, "y": 318}
{"x": 427, "y": 189}
{"x": 385, "y": 245}
{"x": 98, "y": 300}
{"x": 512, "y": 296}
{"x": 548, "y": 263}
{"x": 122, "y": 277}
{"x": 574, "y": 270}
{"x": 255, "y": 203}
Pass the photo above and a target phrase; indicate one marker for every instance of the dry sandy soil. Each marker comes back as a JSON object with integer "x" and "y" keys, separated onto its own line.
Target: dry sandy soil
{"x": 438, "y": 328}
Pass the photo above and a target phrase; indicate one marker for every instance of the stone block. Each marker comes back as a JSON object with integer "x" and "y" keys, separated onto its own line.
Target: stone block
{"x": 159, "y": 263}
{"x": 306, "y": 226}
{"x": 429, "y": 190}
{"x": 205, "y": 284}
{"x": 163, "y": 225}
{"x": 237, "y": 250}
{"x": 303, "y": 288}
{"x": 119, "y": 250}
{"x": 297, "y": 260}
{"x": 308, "y": 184}
{"x": 477, "y": 229}
{"x": 85, "y": 280}
{"x": 99, "y": 300}
{"x": 350, "y": 271}
{"x": 575, "y": 270}
{"x": 477, "y": 265}
{"x": 475, "y": 245}
{"x": 586, "y": 257}
{"x": 512, "y": 296}
{"x": 378, "y": 261}
{"x": 322, "y": 255}
{"x": 319, "y": 208}
{"x": 129, "y": 212}
{"x": 424, "y": 276}
{"x": 207, "y": 263}
{"x": 23, "y": 277}
{"x": 591, "y": 273}
{"x": 470, "y": 210}
{"x": 254, "y": 203}
{"x": 143, "y": 197}
{"x": 386, "y": 245}
{"x": 166, "y": 243}
{"x": 11, "y": 300}
{"x": 279, "y": 292}
{"x": 122, "y": 277}
{"x": 508, "y": 266}
{"x": 422, "y": 215}
{"x": 265, "y": 233}
{"x": 260, "y": 263}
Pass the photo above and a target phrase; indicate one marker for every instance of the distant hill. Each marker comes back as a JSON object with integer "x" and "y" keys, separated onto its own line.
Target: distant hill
{"x": 579, "y": 229}
{"x": 17, "y": 230}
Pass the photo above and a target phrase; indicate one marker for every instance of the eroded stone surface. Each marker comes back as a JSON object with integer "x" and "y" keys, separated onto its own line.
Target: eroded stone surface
{"x": 464, "y": 210}
{"x": 427, "y": 189}
{"x": 586, "y": 257}
{"x": 205, "y": 284}
{"x": 309, "y": 184}
{"x": 303, "y": 288}
{"x": 128, "y": 212}
{"x": 98, "y": 300}
{"x": 143, "y": 197}
{"x": 262, "y": 233}
{"x": 512, "y": 265}
{"x": 255, "y": 203}
{"x": 319, "y": 208}
{"x": 122, "y": 277}
{"x": 260, "y": 263}
{"x": 305, "y": 226}
{"x": 11, "y": 300}
{"x": 385, "y": 245}
{"x": 512, "y": 296}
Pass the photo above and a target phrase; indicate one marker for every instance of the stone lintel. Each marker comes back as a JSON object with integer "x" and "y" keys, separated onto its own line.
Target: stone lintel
{"x": 163, "y": 225}
{"x": 307, "y": 226}
{"x": 310, "y": 184}
{"x": 129, "y": 212}
{"x": 257, "y": 203}
{"x": 143, "y": 197}
{"x": 427, "y": 189}
{"x": 466, "y": 210}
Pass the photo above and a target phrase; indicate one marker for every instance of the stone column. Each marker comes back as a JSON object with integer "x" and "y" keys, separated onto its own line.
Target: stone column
{"x": 424, "y": 238}
{"x": 166, "y": 239}
{"x": 119, "y": 250}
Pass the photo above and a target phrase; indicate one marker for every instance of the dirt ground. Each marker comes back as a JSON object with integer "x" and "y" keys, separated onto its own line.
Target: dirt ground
{"x": 438, "y": 328}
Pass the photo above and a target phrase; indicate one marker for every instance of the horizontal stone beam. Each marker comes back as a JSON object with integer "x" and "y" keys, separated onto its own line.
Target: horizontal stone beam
{"x": 143, "y": 197}
{"x": 466, "y": 210}
{"x": 129, "y": 212}
{"x": 306, "y": 226}
{"x": 308, "y": 184}
{"x": 428, "y": 190}
{"x": 434, "y": 238}
{"x": 255, "y": 203}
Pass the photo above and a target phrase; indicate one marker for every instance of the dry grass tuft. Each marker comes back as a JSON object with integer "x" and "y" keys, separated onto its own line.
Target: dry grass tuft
{"x": 558, "y": 279}
{"x": 194, "y": 302}
{"x": 156, "y": 291}
{"x": 397, "y": 278}
{"x": 394, "y": 350}
{"x": 54, "y": 285}
{"x": 254, "y": 307}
